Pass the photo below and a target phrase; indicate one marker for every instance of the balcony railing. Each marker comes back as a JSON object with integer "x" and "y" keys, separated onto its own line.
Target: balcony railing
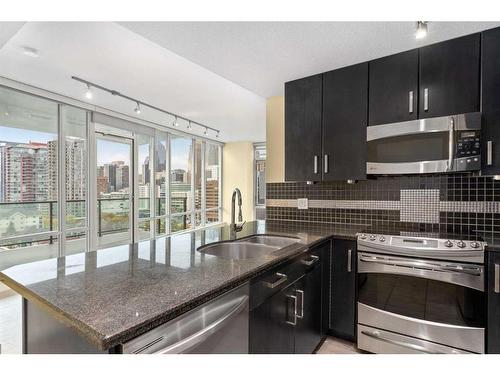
{"x": 19, "y": 219}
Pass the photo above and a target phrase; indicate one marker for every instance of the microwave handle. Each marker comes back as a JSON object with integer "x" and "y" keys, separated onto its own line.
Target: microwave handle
{"x": 451, "y": 144}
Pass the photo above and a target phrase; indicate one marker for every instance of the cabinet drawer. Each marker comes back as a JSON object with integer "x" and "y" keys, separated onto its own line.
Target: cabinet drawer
{"x": 281, "y": 276}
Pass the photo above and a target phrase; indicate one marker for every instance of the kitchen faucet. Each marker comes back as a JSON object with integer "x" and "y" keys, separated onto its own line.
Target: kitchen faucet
{"x": 236, "y": 227}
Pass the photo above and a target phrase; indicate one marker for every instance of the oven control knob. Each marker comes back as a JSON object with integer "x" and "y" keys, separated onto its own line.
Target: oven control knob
{"x": 373, "y": 237}
{"x": 461, "y": 244}
{"x": 474, "y": 245}
{"x": 382, "y": 239}
{"x": 448, "y": 243}
{"x": 362, "y": 236}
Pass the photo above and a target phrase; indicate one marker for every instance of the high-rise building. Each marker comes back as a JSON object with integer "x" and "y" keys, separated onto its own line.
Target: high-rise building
{"x": 102, "y": 185}
{"x": 24, "y": 172}
{"x": 122, "y": 177}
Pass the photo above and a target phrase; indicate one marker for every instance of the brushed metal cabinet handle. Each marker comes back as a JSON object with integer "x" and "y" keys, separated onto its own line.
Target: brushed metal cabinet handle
{"x": 281, "y": 279}
{"x": 300, "y": 313}
{"x": 325, "y": 167}
{"x": 489, "y": 152}
{"x": 497, "y": 278}
{"x": 315, "y": 164}
{"x": 410, "y": 102}
{"x": 349, "y": 260}
{"x": 426, "y": 99}
{"x": 295, "y": 310}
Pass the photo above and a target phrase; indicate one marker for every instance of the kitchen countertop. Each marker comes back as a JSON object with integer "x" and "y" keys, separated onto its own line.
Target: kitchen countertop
{"x": 112, "y": 295}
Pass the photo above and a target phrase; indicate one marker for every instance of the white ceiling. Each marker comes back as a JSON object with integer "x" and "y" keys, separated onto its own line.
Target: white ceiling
{"x": 115, "y": 57}
{"x": 261, "y": 56}
{"x": 217, "y": 73}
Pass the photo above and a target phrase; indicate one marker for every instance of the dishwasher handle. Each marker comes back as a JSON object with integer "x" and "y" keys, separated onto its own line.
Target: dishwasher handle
{"x": 202, "y": 335}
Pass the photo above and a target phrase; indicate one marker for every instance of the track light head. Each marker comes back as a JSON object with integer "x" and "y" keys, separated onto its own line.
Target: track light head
{"x": 137, "y": 109}
{"x": 421, "y": 30}
{"x": 88, "y": 92}
{"x": 175, "y": 123}
{"x": 206, "y": 131}
{"x": 189, "y": 125}
{"x": 217, "y": 135}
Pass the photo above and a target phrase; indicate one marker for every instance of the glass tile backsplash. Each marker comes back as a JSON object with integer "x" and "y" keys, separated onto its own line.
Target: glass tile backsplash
{"x": 458, "y": 203}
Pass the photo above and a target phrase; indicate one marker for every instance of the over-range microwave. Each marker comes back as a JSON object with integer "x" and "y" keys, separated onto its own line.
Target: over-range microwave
{"x": 432, "y": 145}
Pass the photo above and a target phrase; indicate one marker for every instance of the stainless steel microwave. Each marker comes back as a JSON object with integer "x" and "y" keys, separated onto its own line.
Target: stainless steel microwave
{"x": 432, "y": 145}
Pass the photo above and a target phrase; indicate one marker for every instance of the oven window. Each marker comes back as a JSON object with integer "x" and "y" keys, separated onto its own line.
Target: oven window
{"x": 424, "y": 299}
{"x": 409, "y": 148}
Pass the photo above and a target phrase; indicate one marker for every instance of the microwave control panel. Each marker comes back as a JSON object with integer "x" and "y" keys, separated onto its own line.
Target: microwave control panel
{"x": 468, "y": 144}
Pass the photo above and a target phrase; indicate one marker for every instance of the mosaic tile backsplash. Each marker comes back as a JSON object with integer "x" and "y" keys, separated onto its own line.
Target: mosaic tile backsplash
{"x": 458, "y": 203}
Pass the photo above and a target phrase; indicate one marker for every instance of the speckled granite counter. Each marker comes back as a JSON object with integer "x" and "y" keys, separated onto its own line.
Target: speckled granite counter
{"x": 112, "y": 295}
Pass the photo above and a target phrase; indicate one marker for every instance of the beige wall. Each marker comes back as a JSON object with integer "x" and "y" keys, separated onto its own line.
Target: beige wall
{"x": 275, "y": 139}
{"x": 237, "y": 171}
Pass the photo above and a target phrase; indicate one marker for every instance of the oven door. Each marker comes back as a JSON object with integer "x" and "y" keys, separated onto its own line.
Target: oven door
{"x": 420, "y": 146}
{"x": 429, "y": 305}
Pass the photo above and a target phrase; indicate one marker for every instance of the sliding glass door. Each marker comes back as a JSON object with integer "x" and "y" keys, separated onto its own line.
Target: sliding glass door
{"x": 114, "y": 186}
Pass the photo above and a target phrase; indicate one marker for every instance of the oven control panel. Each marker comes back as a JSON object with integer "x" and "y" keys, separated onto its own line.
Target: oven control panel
{"x": 426, "y": 247}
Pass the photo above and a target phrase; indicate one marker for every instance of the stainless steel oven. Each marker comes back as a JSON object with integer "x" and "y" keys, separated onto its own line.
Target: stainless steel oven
{"x": 433, "y": 145}
{"x": 420, "y": 295}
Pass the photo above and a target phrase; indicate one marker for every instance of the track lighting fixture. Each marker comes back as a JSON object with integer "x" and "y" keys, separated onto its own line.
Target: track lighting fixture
{"x": 88, "y": 93}
{"x": 137, "y": 109}
{"x": 421, "y": 30}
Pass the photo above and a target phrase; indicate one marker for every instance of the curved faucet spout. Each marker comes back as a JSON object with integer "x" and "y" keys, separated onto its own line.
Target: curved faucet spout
{"x": 234, "y": 226}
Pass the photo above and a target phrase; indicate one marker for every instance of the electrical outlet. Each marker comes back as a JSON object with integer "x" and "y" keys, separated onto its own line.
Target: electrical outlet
{"x": 302, "y": 203}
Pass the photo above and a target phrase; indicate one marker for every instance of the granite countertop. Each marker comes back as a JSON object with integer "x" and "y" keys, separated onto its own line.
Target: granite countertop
{"x": 111, "y": 295}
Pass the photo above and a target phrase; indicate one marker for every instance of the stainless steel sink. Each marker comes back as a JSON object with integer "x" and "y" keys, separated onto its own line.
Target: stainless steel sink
{"x": 275, "y": 241}
{"x": 237, "y": 250}
{"x": 247, "y": 248}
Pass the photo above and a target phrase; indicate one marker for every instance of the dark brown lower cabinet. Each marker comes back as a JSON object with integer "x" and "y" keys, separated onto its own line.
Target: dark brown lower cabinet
{"x": 286, "y": 314}
{"x": 493, "y": 303}
{"x": 343, "y": 290}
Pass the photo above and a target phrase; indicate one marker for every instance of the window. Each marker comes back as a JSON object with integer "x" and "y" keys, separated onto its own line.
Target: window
{"x": 260, "y": 180}
{"x": 212, "y": 182}
{"x": 122, "y": 181}
{"x": 181, "y": 173}
{"x": 28, "y": 170}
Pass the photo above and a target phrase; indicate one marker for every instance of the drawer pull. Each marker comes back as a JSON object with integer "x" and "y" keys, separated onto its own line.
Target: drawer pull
{"x": 281, "y": 279}
{"x": 295, "y": 311}
{"x": 497, "y": 278}
{"x": 310, "y": 261}
{"x": 349, "y": 260}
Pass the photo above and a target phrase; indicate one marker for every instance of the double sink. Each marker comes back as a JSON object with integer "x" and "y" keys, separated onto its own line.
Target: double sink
{"x": 255, "y": 246}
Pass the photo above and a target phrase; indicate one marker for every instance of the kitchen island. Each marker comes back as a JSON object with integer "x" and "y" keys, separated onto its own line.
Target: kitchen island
{"x": 110, "y": 296}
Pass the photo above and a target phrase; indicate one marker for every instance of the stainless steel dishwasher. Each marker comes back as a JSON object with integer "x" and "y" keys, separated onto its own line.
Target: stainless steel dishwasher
{"x": 218, "y": 326}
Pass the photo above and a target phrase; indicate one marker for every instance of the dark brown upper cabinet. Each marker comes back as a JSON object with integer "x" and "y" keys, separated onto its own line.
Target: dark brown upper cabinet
{"x": 449, "y": 77}
{"x": 303, "y": 102}
{"x": 393, "y": 89}
{"x": 490, "y": 130}
{"x": 345, "y": 111}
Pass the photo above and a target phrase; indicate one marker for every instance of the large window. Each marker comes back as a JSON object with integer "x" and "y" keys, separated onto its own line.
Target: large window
{"x": 28, "y": 170}
{"x": 68, "y": 181}
{"x": 181, "y": 182}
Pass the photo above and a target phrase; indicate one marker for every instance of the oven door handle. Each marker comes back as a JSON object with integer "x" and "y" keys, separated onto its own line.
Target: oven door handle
{"x": 377, "y": 336}
{"x": 451, "y": 268}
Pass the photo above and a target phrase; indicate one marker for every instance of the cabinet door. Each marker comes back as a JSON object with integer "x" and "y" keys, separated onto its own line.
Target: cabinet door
{"x": 493, "y": 304}
{"x": 490, "y": 132}
{"x": 449, "y": 77}
{"x": 345, "y": 111}
{"x": 303, "y": 100}
{"x": 343, "y": 305}
{"x": 271, "y": 328}
{"x": 393, "y": 88}
{"x": 309, "y": 295}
